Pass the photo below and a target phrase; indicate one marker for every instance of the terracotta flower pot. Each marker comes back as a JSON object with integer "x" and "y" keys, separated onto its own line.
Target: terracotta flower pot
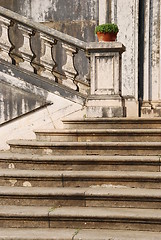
{"x": 106, "y": 37}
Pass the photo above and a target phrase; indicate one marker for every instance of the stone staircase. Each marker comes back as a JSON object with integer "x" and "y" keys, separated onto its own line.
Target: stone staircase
{"x": 93, "y": 180}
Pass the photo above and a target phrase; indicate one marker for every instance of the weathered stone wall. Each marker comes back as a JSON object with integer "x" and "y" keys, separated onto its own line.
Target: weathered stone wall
{"x": 139, "y": 23}
{"x": 76, "y": 18}
{"x": 125, "y": 14}
{"x": 152, "y": 55}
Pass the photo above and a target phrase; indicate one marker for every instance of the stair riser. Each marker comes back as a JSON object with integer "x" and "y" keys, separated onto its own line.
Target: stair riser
{"x": 29, "y": 182}
{"x": 83, "y": 202}
{"x": 104, "y": 224}
{"x": 102, "y": 138}
{"x": 46, "y": 201}
{"x": 124, "y": 125}
{"x": 87, "y": 150}
{"x": 82, "y": 166}
{"x": 128, "y": 183}
{"x": 80, "y": 223}
{"x": 81, "y": 182}
{"x": 24, "y": 222}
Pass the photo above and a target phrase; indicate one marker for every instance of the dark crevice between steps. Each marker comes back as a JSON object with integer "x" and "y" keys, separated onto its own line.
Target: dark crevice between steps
{"x": 62, "y": 180}
{"x": 159, "y": 163}
{"x": 141, "y": 44}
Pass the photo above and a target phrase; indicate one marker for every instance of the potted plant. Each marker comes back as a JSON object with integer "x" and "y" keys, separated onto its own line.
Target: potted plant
{"x": 107, "y": 32}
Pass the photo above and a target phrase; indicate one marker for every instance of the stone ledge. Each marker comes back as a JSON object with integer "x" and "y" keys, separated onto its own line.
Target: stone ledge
{"x": 73, "y": 234}
{"x": 81, "y": 217}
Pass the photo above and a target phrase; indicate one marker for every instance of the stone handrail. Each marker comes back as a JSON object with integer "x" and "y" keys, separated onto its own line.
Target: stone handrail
{"x": 33, "y": 47}
{"x": 46, "y": 30}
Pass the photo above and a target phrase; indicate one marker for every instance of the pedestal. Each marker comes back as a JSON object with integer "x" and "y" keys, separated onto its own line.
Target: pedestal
{"x": 105, "y": 99}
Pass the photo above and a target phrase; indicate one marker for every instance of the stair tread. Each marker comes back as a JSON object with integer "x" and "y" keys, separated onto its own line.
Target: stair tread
{"x": 133, "y": 214}
{"x": 74, "y": 144}
{"x": 119, "y": 120}
{"x": 97, "y": 191}
{"x": 97, "y": 131}
{"x": 42, "y": 191}
{"x": 35, "y": 234}
{"x": 28, "y": 156}
{"x": 73, "y": 234}
{"x": 90, "y": 174}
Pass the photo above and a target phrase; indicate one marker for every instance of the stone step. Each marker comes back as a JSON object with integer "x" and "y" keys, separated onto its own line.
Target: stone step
{"x": 36, "y": 178}
{"x": 80, "y": 218}
{"x": 106, "y": 196}
{"x": 95, "y": 135}
{"x": 113, "y": 123}
{"x": 85, "y": 148}
{"x": 79, "y": 162}
{"x": 75, "y": 234}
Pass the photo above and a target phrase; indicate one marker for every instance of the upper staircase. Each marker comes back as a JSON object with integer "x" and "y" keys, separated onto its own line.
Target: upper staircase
{"x": 94, "y": 179}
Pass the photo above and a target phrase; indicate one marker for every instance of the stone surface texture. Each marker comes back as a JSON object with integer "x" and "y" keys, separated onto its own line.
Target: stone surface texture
{"x": 82, "y": 189}
{"x": 152, "y": 76}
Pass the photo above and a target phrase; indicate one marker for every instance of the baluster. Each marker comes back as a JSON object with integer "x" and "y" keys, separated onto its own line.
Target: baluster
{"x": 69, "y": 69}
{"x": 5, "y": 44}
{"x": 47, "y": 59}
{"x": 16, "y": 40}
{"x": 25, "y": 50}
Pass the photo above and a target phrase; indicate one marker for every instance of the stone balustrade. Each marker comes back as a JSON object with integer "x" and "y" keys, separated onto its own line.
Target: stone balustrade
{"x": 20, "y": 45}
{"x": 32, "y": 46}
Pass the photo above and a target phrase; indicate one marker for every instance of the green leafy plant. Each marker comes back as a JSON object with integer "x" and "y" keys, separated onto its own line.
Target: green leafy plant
{"x": 107, "y": 28}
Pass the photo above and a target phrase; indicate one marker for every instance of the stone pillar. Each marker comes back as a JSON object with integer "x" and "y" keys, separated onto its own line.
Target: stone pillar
{"x": 105, "y": 99}
{"x": 151, "y": 106}
{"x": 125, "y": 14}
{"x": 104, "y": 11}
